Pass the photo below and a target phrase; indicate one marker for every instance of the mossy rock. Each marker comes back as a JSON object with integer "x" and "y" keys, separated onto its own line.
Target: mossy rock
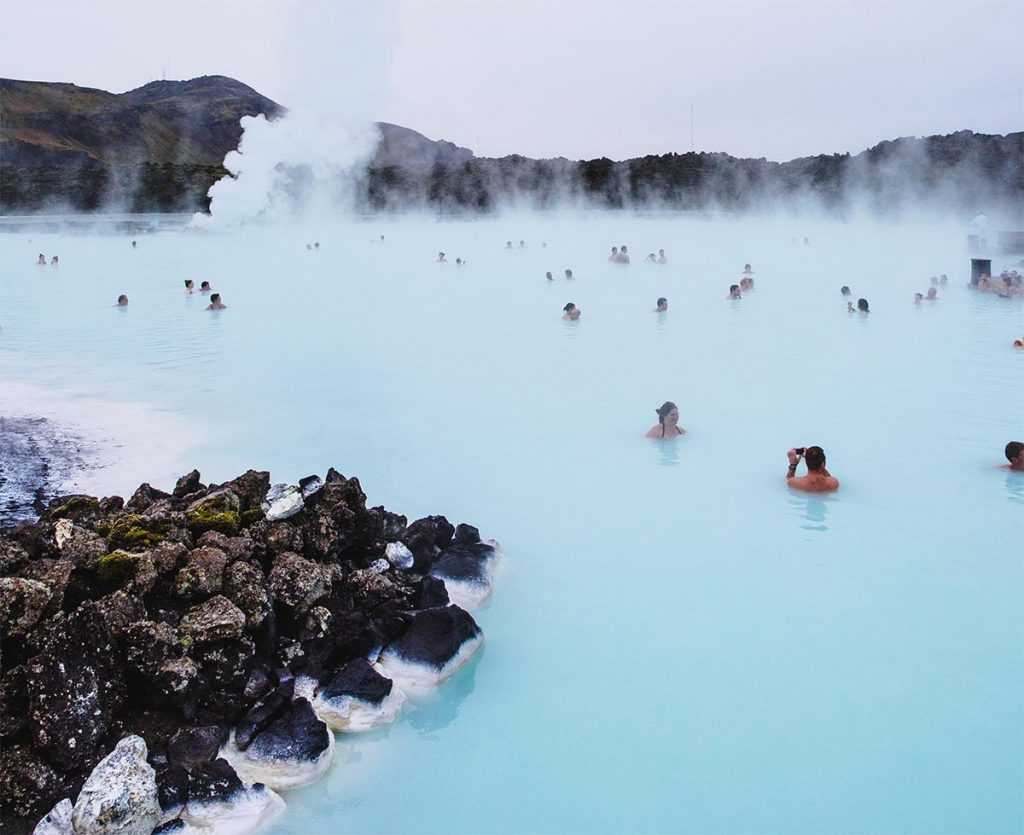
{"x": 117, "y": 567}
{"x": 219, "y": 511}
{"x": 75, "y": 508}
{"x": 135, "y": 532}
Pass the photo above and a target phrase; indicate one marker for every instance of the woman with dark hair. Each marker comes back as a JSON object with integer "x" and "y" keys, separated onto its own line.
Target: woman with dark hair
{"x": 668, "y": 422}
{"x": 570, "y": 312}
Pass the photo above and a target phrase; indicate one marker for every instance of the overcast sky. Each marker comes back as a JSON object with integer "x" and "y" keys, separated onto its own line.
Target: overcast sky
{"x": 573, "y": 78}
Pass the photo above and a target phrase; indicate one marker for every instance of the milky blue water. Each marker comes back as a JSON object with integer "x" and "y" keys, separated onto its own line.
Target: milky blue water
{"x": 677, "y": 642}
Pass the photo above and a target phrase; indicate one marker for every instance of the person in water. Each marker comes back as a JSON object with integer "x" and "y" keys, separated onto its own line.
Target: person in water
{"x": 459, "y": 262}
{"x": 747, "y": 270}
{"x": 662, "y": 259}
{"x": 508, "y": 245}
{"x": 844, "y": 290}
{"x": 1014, "y": 453}
{"x": 522, "y": 244}
{"x": 623, "y": 255}
{"x": 570, "y": 313}
{"x": 216, "y": 303}
{"x": 41, "y": 261}
{"x": 1018, "y": 343}
{"x": 746, "y": 283}
{"x": 122, "y": 301}
{"x": 651, "y": 258}
{"x": 862, "y": 306}
{"x": 615, "y": 254}
{"x": 918, "y": 298}
{"x": 662, "y": 305}
{"x": 568, "y": 274}
{"x": 440, "y": 258}
{"x": 668, "y": 422}
{"x": 134, "y": 244}
{"x": 933, "y": 294}
{"x": 818, "y": 479}
{"x": 54, "y": 261}
{"x": 734, "y": 292}
{"x": 190, "y": 286}
{"x": 205, "y": 287}
{"x": 549, "y": 276}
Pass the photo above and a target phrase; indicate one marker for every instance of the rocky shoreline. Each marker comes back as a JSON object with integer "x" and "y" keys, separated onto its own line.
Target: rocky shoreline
{"x": 171, "y": 662}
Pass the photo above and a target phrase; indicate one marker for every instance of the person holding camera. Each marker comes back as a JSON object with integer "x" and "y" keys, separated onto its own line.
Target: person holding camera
{"x": 818, "y": 479}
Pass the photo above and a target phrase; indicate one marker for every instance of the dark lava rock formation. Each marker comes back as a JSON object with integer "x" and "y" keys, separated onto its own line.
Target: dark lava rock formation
{"x": 179, "y": 617}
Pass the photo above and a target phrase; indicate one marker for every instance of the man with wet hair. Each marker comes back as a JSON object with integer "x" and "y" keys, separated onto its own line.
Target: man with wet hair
{"x": 734, "y": 292}
{"x": 818, "y": 479}
{"x": 615, "y": 254}
{"x": 662, "y": 305}
{"x": 1015, "y": 455}
{"x": 216, "y": 303}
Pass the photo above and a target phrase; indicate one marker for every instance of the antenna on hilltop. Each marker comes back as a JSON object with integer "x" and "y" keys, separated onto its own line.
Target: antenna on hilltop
{"x": 691, "y": 128}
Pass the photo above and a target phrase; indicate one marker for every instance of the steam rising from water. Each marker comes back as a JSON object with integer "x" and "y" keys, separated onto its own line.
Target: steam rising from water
{"x": 338, "y": 55}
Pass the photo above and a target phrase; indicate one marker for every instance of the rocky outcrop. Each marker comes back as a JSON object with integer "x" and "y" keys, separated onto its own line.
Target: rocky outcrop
{"x": 152, "y": 648}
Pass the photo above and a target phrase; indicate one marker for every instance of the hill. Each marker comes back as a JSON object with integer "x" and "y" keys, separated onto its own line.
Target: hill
{"x": 160, "y": 147}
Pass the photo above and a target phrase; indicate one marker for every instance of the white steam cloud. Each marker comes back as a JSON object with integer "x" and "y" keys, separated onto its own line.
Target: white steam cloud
{"x": 337, "y": 55}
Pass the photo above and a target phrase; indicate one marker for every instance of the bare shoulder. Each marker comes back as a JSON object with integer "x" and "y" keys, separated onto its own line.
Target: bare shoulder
{"x": 654, "y": 431}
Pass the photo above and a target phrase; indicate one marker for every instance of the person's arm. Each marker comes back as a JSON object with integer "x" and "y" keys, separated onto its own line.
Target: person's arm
{"x": 794, "y": 459}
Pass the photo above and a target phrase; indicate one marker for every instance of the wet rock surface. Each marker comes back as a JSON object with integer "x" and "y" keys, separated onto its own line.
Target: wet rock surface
{"x": 140, "y": 636}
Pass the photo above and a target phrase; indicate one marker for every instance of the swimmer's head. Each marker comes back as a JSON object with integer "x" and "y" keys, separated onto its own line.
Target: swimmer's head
{"x": 814, "y": 456}
{"x": 569, "y": 308}
{"x": 844, "y": 290}
{"x": 214, "y": 298}
{"x": 918, "y": 297}
{"x": 548, "y": 276}
{"x": 662, "y": 303}
{"x": 614, "y": 249}
{"x": 932, "y": 293}
{"x": 189, "y": 283}
{"x": 205, "y": 285}
{"x": 862, "y": 305}
{"x": 622, "y": 248}
{"x": 122, "y": 300}
{"x": 665, "y": 409}
{"x": 1013, "y": 451}
{"x": 568, "y": 273}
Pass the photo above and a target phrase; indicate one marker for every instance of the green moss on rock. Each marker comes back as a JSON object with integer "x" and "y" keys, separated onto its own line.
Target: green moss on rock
{"x": 117, "y": 567}
{"x": 219, "y": 512}
{"x": 135, "y": 532}
{"x": 76, "y": 507}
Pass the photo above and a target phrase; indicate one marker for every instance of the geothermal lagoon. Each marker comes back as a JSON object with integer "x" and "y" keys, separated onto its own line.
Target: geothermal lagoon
{"x": 676, "y": 642}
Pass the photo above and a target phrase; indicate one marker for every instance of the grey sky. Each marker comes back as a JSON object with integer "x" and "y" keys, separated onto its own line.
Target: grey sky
{"x": 574, "y": 78}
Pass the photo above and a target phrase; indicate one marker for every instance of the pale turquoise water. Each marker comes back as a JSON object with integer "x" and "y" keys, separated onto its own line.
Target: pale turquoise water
{"x": 676, "y": 642}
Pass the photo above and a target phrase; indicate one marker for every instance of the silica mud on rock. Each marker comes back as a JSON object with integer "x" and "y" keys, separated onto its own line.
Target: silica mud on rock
{"x": 172, "y": 661}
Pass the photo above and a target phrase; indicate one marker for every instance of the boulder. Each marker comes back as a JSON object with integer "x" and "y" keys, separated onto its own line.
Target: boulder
{"x": 187, "y": 484}
{"x": 250, "y": 487}
{"x": 22, "y": 603}
{"x": 81, "y": 546}
{"x": 13, "y": 702}
{"x": 236, "y": 547}
{"x": 219, "y": 511}
{"x": 136, "y": 532}
{"x": 168, "y": 556}
{"x": 246, "y": 587}
{"x": 120, "y": 795}
{"x": 261, "y": 714}
{"x": 436, "y": 643}
{"x": 77, "y": 508}
{"x": 214, "y": 620}
{"x": 29, "y": 786}
{"x": 297, "y": 582}
{"x": 147, "y": 645}
{"x": 281, "y": 537}
{"x": 171, "y": 789}
{"x": 430, "y": 594}
{"x": 466, "y": 567}
{"x": 357, "y": 698}
{"x": 281, "y": 502}
{"x": 12, "y": 556}
{"x": 426, "y": 538}
{"x": 55, "y": 575}
{"x": 203, "y": 574}
{"x": 180, "y": 683}
{"x": 219, "y": 802}
{"x": 398, "y": 555}
{"x": 292, "y": 751}
{"x": 134, "y": 572}
{"x": 191, "y": 747}
{"x": 145, "y": 496}
{"x": 57, "y": 820}
{"x": 310, "y": 486}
